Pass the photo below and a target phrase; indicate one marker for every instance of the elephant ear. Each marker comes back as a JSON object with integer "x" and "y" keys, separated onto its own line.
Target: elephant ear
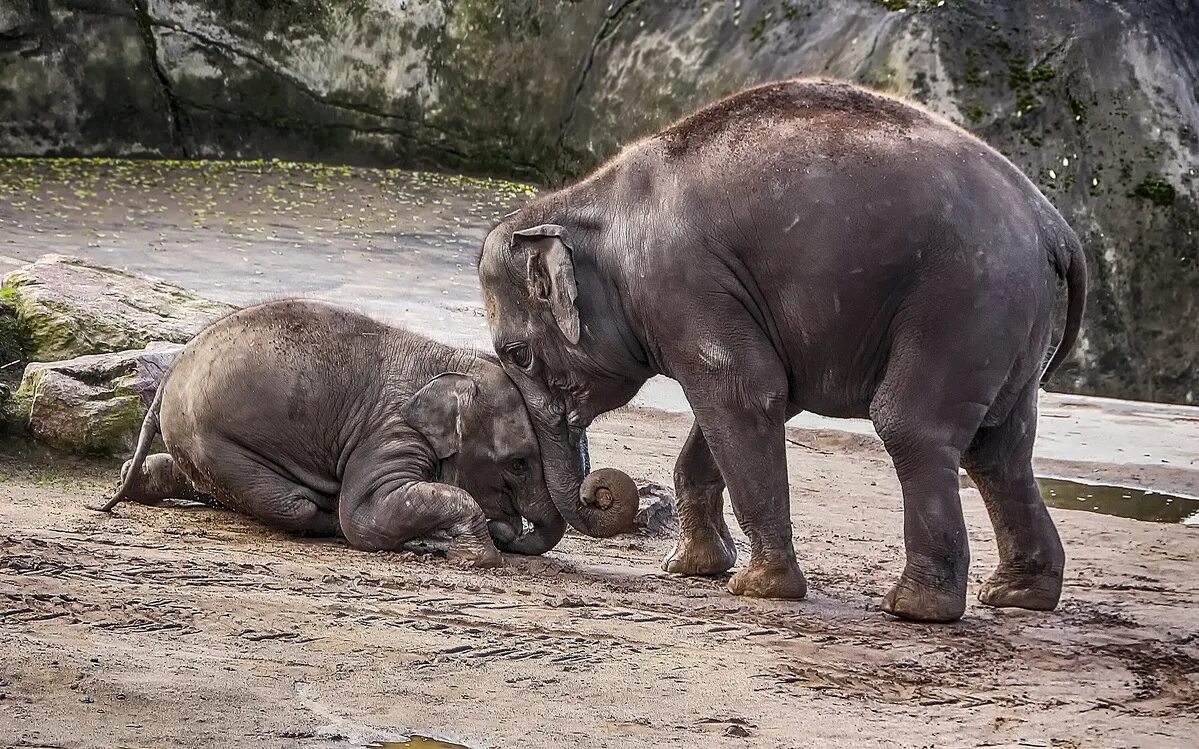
{"x": 436, "y": 411}
{"x": 551, "y": 273}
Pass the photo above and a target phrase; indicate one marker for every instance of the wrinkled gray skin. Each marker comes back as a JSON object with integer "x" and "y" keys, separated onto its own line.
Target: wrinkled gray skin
{"x": 799, "y": 246}
{"x": 317, "y": 420}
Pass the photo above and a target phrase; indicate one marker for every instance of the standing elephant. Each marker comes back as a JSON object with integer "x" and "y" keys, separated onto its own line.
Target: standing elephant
{"x": 317, "y": 420}
{"x": 803, "y": 245}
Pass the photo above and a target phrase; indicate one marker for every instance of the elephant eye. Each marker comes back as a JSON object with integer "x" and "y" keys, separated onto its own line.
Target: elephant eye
{"x": 518, "y": 465}
{"x": 519, "y": 354}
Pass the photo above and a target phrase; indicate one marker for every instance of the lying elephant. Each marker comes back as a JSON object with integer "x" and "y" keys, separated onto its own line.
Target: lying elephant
{"x": 317, "y": 420}
{"x": 803, "y": 245}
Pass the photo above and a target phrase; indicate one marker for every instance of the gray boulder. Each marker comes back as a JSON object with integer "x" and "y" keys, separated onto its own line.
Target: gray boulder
{"x": 92, "y": 405}
{"x": 67, "y": 307}
{"x": 658, "y": 514}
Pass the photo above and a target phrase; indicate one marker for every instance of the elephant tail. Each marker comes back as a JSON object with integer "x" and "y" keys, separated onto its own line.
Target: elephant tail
{"x": 1073, "y": 268}
{"x": 150, "y": 430}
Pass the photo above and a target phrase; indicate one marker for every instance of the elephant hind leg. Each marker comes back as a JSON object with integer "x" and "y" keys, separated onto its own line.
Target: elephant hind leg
{"x": 1031, "y": 557}
{"x": 926, "y": 413}
{"x": 161, "y": 479}
{"x": 244, "y": 483}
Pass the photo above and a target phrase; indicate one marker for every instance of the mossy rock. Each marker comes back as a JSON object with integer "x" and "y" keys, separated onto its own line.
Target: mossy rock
{"x": 15, "y": 341}
{"x": 91, "y": 405}
{"x": 65, "y": 307}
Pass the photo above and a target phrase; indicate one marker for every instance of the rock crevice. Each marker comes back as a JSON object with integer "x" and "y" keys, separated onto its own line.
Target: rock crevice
{"x": 174, "y": 111}
{"x": 611, "y": 23}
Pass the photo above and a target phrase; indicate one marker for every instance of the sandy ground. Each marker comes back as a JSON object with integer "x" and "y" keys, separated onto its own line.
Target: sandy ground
{"x": 196, "y": 628}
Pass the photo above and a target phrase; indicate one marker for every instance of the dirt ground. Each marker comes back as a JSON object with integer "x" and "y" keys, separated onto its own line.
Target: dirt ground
{"x": 196, "y": 628}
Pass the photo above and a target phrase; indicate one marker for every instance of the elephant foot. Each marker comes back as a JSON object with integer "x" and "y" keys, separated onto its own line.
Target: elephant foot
{"x": 704, "y": 553}
{"x": 474, "y": 555}
{"x": 770, "y": 581}
{"x": 921, "y": 602}
{"x": 1008, "y": 588}
{"x": 158, "y": 483}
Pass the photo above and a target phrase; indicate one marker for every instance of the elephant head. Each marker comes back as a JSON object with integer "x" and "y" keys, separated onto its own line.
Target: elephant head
{"x": 561, "y": 338}
{"x": 477, "y": 424}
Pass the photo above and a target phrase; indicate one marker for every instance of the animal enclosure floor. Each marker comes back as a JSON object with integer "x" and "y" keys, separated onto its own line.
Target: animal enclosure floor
{"x": 197, "y": 628}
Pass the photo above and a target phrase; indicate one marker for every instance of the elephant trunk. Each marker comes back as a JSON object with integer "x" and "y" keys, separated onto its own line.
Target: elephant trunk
{"x": 548, "y": 524}
{"x": 587, "y": 508}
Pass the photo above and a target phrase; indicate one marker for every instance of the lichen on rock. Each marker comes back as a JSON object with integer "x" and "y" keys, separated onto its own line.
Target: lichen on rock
{"x": 14, "y": 335}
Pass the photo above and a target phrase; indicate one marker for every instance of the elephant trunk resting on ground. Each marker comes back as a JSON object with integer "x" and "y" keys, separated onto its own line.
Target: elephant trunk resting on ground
{"x": 318, "y": 420}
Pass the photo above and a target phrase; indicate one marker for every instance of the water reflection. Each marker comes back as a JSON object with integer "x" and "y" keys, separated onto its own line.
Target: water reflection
{"x": 1121, "y": 501}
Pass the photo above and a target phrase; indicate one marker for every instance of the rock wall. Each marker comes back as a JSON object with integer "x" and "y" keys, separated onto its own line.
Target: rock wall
{"x": 1095, "y": 99}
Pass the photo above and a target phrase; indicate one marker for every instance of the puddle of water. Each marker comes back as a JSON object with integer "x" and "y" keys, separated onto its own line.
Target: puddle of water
{"x": 416, "y": 741}
{"x": 1109, "y": 499}
{"x": 1121, "y": 501}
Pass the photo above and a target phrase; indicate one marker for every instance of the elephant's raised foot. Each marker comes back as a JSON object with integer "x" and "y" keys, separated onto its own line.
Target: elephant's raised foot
{"x": 763, "y": 581}
{"x": 1009, "y": 589}
{"x": 919, "y": 602}
{"x": 703, "y": 553}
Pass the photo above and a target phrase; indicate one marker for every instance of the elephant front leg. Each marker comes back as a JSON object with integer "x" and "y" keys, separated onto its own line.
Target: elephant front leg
{"x": 761, "y": 502}
{"x": 388, "y": 520}
{"x": 705, "y": 546}
{"x": 740, "y": 406}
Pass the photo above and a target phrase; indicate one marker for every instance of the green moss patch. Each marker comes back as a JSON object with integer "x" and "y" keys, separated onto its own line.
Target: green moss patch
{"x": 1156, "y": 190}
{"x": 15, "y": 339}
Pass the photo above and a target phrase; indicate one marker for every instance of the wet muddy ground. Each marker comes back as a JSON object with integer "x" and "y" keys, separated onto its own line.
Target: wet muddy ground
{"x": 194, "y": 628}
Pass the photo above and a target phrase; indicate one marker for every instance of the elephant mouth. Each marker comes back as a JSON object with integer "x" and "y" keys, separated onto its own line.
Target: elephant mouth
{"x": 577, "y": 422}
